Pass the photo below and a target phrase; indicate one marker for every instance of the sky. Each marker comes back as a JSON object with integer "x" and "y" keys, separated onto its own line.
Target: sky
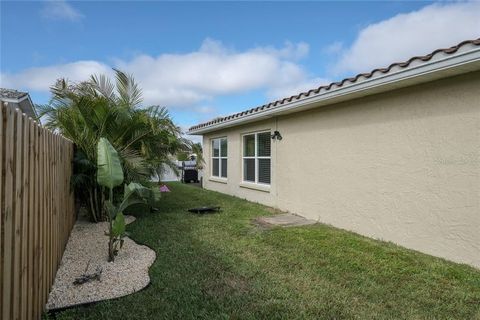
{"x": 207, "y": 59}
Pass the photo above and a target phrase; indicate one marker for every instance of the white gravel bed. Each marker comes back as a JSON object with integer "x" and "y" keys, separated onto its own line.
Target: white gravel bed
{"x": 88, "y": 243}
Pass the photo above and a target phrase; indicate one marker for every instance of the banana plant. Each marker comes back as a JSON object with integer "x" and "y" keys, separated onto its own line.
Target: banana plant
{"x": 110, "y": 175}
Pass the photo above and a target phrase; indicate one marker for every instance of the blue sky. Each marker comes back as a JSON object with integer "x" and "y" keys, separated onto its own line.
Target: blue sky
{"x": 205, "y": 59}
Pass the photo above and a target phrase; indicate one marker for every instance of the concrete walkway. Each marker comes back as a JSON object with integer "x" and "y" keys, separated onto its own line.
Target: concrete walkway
{"x": 285, "y": 220}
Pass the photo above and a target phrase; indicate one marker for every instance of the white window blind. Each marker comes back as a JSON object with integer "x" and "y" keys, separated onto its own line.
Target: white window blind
{"x": 257, "y": 158}
{"x": 219, "y": 157}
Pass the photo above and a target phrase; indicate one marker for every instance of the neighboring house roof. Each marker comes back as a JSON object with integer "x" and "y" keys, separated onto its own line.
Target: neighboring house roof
{"x": 11, "y": 94}
{"x": 462, "y": 58}
{"x": 18, "y": 99}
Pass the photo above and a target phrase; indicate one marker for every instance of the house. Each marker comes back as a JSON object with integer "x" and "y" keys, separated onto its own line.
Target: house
{"x": 18, "y": 99}
{"x": 392, "y": 154}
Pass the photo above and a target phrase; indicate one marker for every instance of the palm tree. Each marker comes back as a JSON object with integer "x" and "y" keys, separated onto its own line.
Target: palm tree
{"x": 99, "y": 108}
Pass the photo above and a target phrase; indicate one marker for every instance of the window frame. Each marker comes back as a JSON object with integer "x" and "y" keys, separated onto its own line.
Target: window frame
{"x": 256, "y": 157}
{"x": 219, "y": 158}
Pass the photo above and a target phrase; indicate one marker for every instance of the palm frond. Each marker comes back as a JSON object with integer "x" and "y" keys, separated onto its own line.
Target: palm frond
{"x": 134, "y": 165}
{"x": 102, "y": 85}
{"x": 130, "y": 94}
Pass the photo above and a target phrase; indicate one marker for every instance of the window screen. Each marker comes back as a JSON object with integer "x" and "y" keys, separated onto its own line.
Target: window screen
{"x": 257, "y": 157}
{"x": 219, "y": 157}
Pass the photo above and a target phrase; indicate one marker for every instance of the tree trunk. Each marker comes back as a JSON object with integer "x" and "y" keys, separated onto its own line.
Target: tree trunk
{"x": 111, "y": 253}
{"x": 95, "y": 201}
{"x": 92, "y": 206}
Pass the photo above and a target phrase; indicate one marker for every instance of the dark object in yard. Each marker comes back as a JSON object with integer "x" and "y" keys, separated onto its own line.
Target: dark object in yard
{"x": 190, "y": 175}
{"x": 84, "y": 278}
{"x": 189, "y": 171}
{"x": 203, "y": 210}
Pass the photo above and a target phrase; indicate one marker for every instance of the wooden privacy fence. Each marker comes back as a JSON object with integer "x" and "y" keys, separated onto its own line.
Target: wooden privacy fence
{"x": 37, "y": 212}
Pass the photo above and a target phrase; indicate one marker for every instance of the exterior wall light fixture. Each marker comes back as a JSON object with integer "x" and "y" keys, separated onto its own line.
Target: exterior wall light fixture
{"x": 276, "y": 135}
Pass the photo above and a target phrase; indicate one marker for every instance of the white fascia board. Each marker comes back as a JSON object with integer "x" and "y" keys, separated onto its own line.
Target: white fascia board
{"x": 33, "y": 108}
{"x": 462, "y": 61}
{"x": 13, "y": 100}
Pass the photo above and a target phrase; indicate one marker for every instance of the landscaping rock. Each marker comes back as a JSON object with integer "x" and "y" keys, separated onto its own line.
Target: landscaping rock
{"x": 88, "y": 245}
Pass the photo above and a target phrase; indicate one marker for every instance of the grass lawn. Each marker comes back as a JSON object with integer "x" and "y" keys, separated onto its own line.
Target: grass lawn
{"x": 221, "y": 266}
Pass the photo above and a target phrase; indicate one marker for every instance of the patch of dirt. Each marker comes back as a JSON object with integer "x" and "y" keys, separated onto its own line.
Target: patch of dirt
{"x": 227, "y": 285}
{"x": 262, "y": 224}
{"x": 275, "y": 210}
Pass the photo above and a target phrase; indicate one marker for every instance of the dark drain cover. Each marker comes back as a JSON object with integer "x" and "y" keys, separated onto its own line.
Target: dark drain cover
{"x": 204, "y": 210}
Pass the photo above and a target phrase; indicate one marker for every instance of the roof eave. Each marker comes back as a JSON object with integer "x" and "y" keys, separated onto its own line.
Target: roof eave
{"x": 450, "y": 65}
{"x": 14, "y": 100}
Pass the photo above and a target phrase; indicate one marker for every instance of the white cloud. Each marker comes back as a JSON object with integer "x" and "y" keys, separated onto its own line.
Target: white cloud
{"x": 294, "y": 88}
{"x": 205, "y": 110}
{"x": 416, "y": 33}
{"x": 291, "y": 51}
{"x": 213, "y": 70}
{"x": 60, "y": 10}
{"x": 190, "y": 79}
{"x": 334, "y": 47}
{"x": 40, "y": 79}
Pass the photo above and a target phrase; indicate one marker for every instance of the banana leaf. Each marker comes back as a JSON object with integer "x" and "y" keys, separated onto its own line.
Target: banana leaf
{"x": 109, "y": 172}
{"x": 118, "y": 225}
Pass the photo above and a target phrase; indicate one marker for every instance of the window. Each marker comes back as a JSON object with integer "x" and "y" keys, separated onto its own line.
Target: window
{"x": 257, "y": 157}
{"x": 219, "y": 157}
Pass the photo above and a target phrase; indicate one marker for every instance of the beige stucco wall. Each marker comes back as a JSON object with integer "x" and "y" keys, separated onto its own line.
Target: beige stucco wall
{"x": 402, "y": 166}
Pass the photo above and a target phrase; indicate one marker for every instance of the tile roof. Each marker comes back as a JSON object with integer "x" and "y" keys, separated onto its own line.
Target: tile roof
{"x": 20, "y": 100}
{"x": 324, "y": 88}
{"x": 11, "y": 94}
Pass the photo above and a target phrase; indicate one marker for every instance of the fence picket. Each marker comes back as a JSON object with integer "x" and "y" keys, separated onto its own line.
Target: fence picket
{"x": 2, "y": 182}
{"x": 17, "y": 202}
{"x": 32, "y": 219}
{"x": 7, "y": 209}
{"x": 25, "y": 217}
